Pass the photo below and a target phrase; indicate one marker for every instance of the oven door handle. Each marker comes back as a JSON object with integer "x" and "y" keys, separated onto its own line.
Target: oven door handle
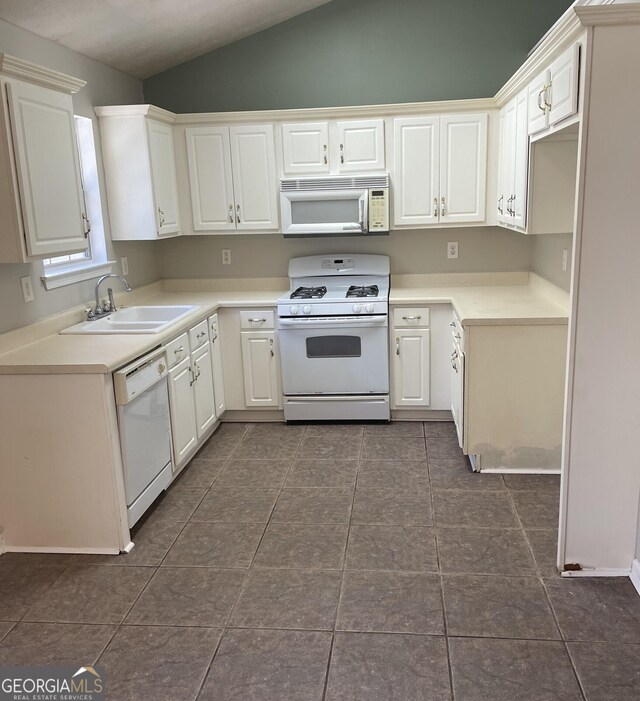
{"x": 333, "y": 322}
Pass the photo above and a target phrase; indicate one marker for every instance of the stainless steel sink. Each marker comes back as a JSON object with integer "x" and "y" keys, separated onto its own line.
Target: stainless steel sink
{"x": 134, "y": 320}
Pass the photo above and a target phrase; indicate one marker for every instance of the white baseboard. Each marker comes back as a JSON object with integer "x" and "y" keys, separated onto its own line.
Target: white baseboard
{"x": 598, "y": 572}
{"x": 635, "y": 574}
{"x": 518, "y": 471}
{"x": 70, "y": 551}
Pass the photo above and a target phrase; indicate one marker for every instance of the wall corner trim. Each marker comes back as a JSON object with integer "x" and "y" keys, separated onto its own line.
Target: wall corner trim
{"x": 635, "y": 575}
{"x": 33, "y": 73}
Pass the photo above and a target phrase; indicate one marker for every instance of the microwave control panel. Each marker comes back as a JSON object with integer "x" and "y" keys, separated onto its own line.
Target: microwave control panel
{"x": 379, "y": 210}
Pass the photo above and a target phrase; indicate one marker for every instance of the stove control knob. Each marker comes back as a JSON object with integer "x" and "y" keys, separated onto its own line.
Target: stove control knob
{"x": 295, "y": 309}
{"x": 369, "y": 308}
{"x": 357, "y": 308}
{"x": 306, "y": 309}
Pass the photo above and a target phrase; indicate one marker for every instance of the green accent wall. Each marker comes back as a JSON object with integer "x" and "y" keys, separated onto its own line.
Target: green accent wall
{"x": 358, "y": 52}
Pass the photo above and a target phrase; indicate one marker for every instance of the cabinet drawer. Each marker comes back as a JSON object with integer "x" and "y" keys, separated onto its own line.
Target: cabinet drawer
{"x": 411, "y": 317}
{"x": 198, "y": 335}
{"x": 257, "y": 320}
{"x": 177, "y": 350}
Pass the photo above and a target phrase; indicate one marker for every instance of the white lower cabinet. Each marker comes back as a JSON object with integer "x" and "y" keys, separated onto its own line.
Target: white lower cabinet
{"x": 411, "y": 367}
{"x": 184, "y": 430}
{"x": 457, "y": 379}
{"x": 203, "y": 395}
{"x": 260, "y": 369}
{"x": 216, "y": 364}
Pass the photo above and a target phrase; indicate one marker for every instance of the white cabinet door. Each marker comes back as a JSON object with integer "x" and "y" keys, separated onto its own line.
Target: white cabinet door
{"x": 503, "y": 168}
{"x": 260, "y": 370}
{"x": 457, "y": 391}
{"x": 48, "y": 170}
{"x": 360, "y": 146}
{"x": 203, "y": 389}
{"x": 538, "y": 118}
{"x": 163, "y": 177}
{"x": 520, "y": 160}
{"x": 216, "y": 363}
{"x": 562, "y": 94}
{"x": 305, "y": 148}
{"x": 254, "y": 177}
{"x": 411, "y": 367}
{"x": 210, "y": 178}
{"x": 463, "y": 168}
{"x": 416, "y": 169}
{"x": 183, "y": 416}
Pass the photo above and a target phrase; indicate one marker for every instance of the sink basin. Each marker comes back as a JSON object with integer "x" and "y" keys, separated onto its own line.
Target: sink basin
{"x": 134, "y": 320}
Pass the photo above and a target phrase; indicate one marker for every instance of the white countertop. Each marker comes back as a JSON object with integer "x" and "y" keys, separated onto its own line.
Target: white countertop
{"x": 530, "y": 301}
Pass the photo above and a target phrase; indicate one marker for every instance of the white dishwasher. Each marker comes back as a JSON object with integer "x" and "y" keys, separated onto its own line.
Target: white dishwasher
{"x": 142, "y": 397}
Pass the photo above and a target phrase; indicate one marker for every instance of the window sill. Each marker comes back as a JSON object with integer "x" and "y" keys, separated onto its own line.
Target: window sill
{"x": 72, "y": 274}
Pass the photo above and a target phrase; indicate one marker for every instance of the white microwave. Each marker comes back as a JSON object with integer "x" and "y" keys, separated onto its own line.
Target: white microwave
{"x": 335, "y": 206}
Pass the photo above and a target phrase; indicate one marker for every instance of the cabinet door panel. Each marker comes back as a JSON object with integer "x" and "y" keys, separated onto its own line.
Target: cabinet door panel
{"x": 305, "y": 148}
{"x": 183, "y": 416}
{"x": 563, "y": 93}
{"x": 416, "y": 167}
{"x": 254, "y": 177}
{"x": 203, "y": 389}
{"x": 360, "y": 146}
{"x": 48, "y": 169}
{"x": 457, "y": 391}
{"x": 538, "y": 118}
{"x": 216, "y": 362}
{"x": 521, "y": 161}
{"x": 209, "y": 158}
{"x": 260, "y": 372}
{"x": 163, "y": 177}
{"x": 411, "y": 367}
{"x": 463, "y": 168}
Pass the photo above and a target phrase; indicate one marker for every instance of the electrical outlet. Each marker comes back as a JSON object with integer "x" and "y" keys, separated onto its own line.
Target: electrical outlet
{"x": 452, "y": 249}
{"x": 124, "y": 264}
{"x": 565, "y": 260}
{"x": 226, "y": 256}
{"x": 27, "y": 288}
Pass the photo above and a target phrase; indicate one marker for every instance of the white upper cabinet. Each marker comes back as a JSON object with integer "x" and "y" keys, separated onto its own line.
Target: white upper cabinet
{"x": 305, "y": 148}
{"x": 232, "y": 178}
{"x": 138, "y": 154}
{"x": 440, "y": 166}
{"x": 513, "y": 162}
{"x": 254, "y": 177}
{"x": 211, "y": 179}
{"x": 317, "y": 148}
{"x": 416, "y": 170}
{"x": 42, "y": 209}
{"x": 361, "y": 146}
{"x": 553, "y": 95}
{"x": 463, "y": 168}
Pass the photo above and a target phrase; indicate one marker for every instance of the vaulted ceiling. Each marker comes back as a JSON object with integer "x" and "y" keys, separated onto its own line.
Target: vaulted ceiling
{"x": 143, "y": 37}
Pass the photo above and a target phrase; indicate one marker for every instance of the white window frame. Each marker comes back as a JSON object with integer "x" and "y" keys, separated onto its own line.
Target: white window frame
{"x": 95, "y": 261}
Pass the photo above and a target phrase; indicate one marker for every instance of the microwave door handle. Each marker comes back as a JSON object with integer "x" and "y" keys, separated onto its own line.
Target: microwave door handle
{"x": 363, "y": 210}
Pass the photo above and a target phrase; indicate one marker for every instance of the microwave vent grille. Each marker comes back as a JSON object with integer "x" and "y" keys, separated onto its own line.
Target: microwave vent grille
{"x": 358, "y": 182}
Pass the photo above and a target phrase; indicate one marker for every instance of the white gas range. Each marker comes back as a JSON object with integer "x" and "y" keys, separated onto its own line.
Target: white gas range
{"x": 333, "y": 334}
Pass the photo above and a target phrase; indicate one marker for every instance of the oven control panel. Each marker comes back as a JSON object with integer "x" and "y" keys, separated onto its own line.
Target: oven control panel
{"x": 341, "y": 264}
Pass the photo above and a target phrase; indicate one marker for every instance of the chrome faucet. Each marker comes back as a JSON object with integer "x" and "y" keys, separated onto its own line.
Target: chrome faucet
{"x": 99, "y": 311}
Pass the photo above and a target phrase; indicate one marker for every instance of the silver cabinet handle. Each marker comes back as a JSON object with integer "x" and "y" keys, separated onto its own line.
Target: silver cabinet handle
{"x": 541, "y": 106}
{"x": 238, "y": 220}
{"x": 230, "y": 214}
{"x": 193, "y": 378}
{"x": 442, "y": 212}
{"x": 271, "y": 347}
{"x": 257, "y": 321}
{"x": 198, "y": 371}
{"x": 452, "y": 323}
{"x": 161, "y": 216}
{"x": 341, "y": 153}
{"x": 214, "y": 338}
{"x": 179, "y": 350}
{"x": 202, "y": 334}
{"x": 325, "y": 155}
{"x": 397, "y": 346}
{"x": 547, "y": 88}
{"x": 87, "y": 225}
{"x": 454, "y": 357}
{"x": 457, "y": 335}
{"x": 500, "y": 204}
{"x": 435, "y": 206}
{"x": 411, "y": 318}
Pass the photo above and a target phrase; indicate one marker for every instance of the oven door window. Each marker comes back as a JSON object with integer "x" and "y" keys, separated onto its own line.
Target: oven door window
{"x": 334, "y": 347}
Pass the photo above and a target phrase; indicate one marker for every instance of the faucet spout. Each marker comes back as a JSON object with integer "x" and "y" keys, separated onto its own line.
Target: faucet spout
{"x": 98, "y": 309}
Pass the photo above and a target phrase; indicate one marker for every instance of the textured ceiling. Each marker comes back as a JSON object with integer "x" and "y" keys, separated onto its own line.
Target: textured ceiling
{"x": 143, "y": 37}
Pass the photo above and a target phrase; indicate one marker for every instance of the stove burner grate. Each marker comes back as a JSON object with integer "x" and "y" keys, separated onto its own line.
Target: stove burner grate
{"x": 309, "y": 292}
{"x": 362, "y": 291}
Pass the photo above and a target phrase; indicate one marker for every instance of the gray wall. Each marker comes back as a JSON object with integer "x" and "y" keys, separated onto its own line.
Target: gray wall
{"x": 546, "y": 257}
{"x": 480, "y": 249}
{"x": 105, "y": 86}
{"x": 358, "y": 52}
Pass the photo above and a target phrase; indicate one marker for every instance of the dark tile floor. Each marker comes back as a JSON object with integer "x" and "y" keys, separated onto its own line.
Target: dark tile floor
{"x": 344, "y": 562}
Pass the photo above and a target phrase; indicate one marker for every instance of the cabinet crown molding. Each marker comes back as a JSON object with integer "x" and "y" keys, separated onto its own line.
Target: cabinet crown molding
{"x": 607, "y": 15}
{"x": 13, "y": 67}
{"x": 150, "y": 111}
